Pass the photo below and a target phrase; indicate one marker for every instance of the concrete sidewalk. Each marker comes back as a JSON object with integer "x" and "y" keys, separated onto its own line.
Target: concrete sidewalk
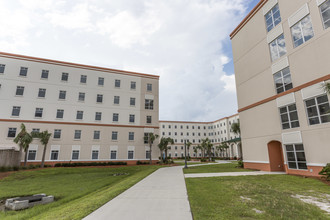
{"x": 252, "y": 173}
{"x": 161, "y": 195}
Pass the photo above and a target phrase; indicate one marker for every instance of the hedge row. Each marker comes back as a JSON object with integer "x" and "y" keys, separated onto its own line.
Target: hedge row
{"x": 90, "y": 164}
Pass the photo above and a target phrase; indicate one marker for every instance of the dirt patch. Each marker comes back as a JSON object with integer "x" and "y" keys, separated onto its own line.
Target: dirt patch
{"x": 245, "y": 199}
{"x": 322, "y": 203}
{"x": 3, "y": 175}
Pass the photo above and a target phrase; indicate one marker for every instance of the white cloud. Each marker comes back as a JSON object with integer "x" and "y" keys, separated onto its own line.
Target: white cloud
{"x": 180, "y": 40}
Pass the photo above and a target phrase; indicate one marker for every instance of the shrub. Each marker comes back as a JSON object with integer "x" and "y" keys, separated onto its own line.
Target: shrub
{"x": 89, "y": 164}
{"x": 326, "y": 172}
{"x": 203, "y": 159}
{"x": 141, "y": 162}
{"x": 240, "y": 164}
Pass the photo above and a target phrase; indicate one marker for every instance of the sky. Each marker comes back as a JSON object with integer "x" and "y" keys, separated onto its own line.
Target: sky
{"x": 185, "y": 42}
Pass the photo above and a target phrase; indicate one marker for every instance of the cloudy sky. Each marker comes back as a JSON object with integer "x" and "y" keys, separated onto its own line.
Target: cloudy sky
{"x": 186, "y": 42}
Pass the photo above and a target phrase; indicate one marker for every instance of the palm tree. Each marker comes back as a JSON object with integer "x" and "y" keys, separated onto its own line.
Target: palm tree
{"x": 163, "y": 146}
{"x": 207, "y": 145}
{"x": 195, "y": 148}
{"x": 151, "y": 137}
{"x": 26, "y": 141}
{"x": 20, "y": 139}
{"x": 327, "y": 87}
{"x": 44, "y": 139}
{"x": 188, "y": 144}
{"x": 236, "y": 128}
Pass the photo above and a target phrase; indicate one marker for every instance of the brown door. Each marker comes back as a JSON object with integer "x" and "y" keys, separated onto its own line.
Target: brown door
{"x": 275, "y": 156}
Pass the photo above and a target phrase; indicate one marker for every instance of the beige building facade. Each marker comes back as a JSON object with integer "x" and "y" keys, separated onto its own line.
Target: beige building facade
{"x": 93, "y": 113}
{"x": 217, "y": 132}
{"x": 281, "y": 58}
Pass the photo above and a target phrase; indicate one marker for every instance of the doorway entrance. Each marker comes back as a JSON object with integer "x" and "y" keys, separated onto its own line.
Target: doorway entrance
{"x": 275, "y": 152}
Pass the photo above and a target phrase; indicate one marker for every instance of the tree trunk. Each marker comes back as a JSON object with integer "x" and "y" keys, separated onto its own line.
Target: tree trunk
{"x": 20, "y": 155}
{"x": 25, "y": 157}
{"x": 150, "y": 151}
{"x": 43, "y": 157}
{"x": 166, "y": 155}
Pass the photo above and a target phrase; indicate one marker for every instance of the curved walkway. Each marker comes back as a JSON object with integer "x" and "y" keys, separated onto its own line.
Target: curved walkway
{"x": 158, "y": 196}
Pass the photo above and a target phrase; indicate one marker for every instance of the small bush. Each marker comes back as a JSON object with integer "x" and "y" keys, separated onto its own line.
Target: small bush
{"x": 90, "y": 164}
{"x": 203, "y": 159}
{"x": 240, "y": 164}
{"x": 141, "y": 162}
{"x": 326, "y": 172}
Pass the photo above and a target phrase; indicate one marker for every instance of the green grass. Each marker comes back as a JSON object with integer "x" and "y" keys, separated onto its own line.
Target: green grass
{"x": 77, "y": 191}
{"x": 220, "y": 197}
{"x": 217, "y": 168}
{"x": 190, "y": 162}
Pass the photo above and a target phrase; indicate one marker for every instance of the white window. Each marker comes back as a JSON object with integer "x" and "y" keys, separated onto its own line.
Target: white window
{"x": 11, "y": 132}
{"x": 130, "y": 154}
{"x": 75, "y": 154}
{"x": 16, "y": 111}
{"x": 113, "y": 155}
{"x": 97, "y": 135}
{"x": 62, "y": 94}
{"x": 38, "y": 112}
{"x": 81, "y": 96}
{"x": 32, "y": 154}
{"x": 80, "y": 115}
{"x": 99, "y": 98}
{"x": 131, "y": 136}
{"x": 277, "y": 48}
{"x": 273, "y": 18}
{"x": 131, "y": 118}
{"x": 95, "y": 154}
{"x": 2, "y": 68}
{"x": 114, "y": 135}
{"x": 132, "y": 101}
{"x": 325, "y": 12}
{"x": 116, "y": 100}
{"x": 98, "y": 116}
{"x": 23, "y": 71}
{"x": 115, "y": 117}
{"x": 149, "y": 104}
{"x": 149, "y": 87}
{"x": 20, "y": 90}
{"x": 289, "y": 116}
{"x": 42, "y": 93}
{"x": 57, "y": 133}
{"x": 117, "y": 83}
{"x": 77, "y": 134}
{"x": 283, "y": 80}
{"x": 296, "y": 156}
{"x": 54, "y": 155}
{"x": 65, "y": 76}
{"x": 83, "y": 79}
{"x": 318, "y": 110}
{"x": 147, "y": 154}
{"x": 133, "y": 85}
{"x": 44, "y": 74}
{"x": 302, "y": 31}
{"x": 101, "y": 81}
{"x": 59, "y": 113}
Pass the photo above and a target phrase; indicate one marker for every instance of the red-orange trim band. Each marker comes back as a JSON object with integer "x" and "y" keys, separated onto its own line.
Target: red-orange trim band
{"x": 324, "y": 78}
{"x": 76, "y": 123}
{"x": 247, "y": 18}
{"x": 75, "y": 65}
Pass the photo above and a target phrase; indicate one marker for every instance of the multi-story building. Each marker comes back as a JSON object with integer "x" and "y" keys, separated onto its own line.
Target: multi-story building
{"x": 281, "y": 58}
{"x": 217, "y": 132}
{"x": 93, "y": 113}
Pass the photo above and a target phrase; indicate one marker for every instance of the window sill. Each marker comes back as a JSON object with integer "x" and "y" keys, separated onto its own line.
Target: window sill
{"x": 96, "y": 140}
{"x": 59, "y": 119}
{"x": 22, "y": 76}
{"x": 81, "y": 101}
{"x": 14, "y": 116}
{"x": 37, "y": 117}
{"x": 83, "y": 83}
{"x": 76, "y": 139}
{"x": 114, "y": 140}
{"x": 43, "y": 78}
{"x": 61, "y": 100}
{"x": 41, "y": 97}
{"x": 98, "y": 103}
{"x": 64, "y": 81}
{"x": 56, "y": 139}
{"x": 18, "y": 95}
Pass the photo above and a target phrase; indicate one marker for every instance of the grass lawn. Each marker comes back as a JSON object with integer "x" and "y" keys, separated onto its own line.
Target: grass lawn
{"x": 217, "y": 168}
{"x": 242, "y": 197}
{"x": 77, "y": 191}
{"x": 190, "y": 162}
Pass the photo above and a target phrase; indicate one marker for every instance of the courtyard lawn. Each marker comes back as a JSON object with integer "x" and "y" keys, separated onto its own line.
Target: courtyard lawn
{"x": 217, "y": 168}
{"x": 256, "y": 197}
{"x": 77, "y": 191}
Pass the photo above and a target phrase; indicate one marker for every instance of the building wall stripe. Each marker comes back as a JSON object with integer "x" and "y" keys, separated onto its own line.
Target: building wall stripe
{"x": 76, "y": 123}
{"x": 296, "y": 89}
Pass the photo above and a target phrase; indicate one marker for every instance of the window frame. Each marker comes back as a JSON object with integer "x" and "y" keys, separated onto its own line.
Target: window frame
{"x": 294, "y": 151}
{"x": 56, "y": 152}
{"x": 317, "y": 109}
{"x": 77, "y": 135}
{"x": 321, "y": 13}
{"x": 288, "y": 114}
{"x": 283, "y": 85}
{"x": 38, "y": 111}
{"x": 11, "y": 132}
{"x": 59, "y": 112}
{"x": 2, "y": 68}
{"x": 57, "y": 133}
{"x": 75, "y": 152}
{"x": 29, "y": 153}
{"x": 299, "y": 23}
{"x": 65, "y": 77}
{"x": 23, "y": 71}
{"x": 117, "y": 83}
{"x": 80, "y": 113}
{"x": 20, "y": 89}
{"x": 14, "y": 110}
{"x": 95, "y": 151}
{"x": 46, "y": 72}
{"x": 100, "y": 81}
{"x": 278, "y": 55}
{"x": 42, "y": 93}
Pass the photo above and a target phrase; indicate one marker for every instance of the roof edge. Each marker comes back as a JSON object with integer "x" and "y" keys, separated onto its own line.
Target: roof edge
{"x": 75, "y": 65}
{"x": 195, "y": 122}
{"x": 247, "y": 18}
